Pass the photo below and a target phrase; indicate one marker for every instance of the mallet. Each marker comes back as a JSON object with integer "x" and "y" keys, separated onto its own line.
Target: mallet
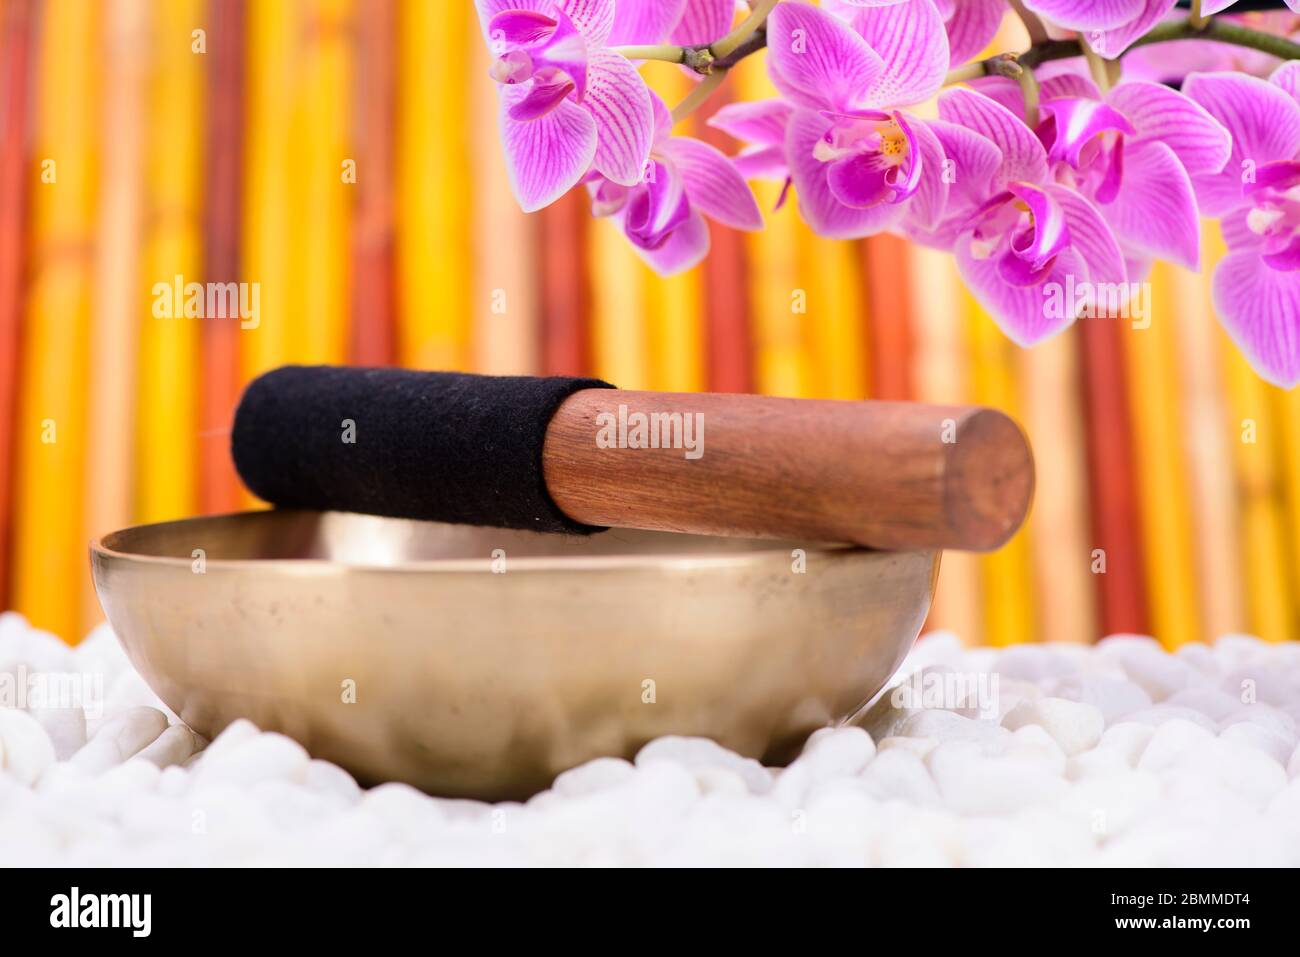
{"x": 562, "y": 454}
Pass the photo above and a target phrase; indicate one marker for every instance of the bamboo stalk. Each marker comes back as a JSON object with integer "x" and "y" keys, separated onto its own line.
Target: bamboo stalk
{"x": 433, "y": 166}
{"x": 114, "y": 335}
{"x": 1165, "y": 512}
{"x": 166, "y": 474}
{"x": 49, "y": 549}
{"x": 374, "y": 306}
{"x": 219, "y": 486}
{"x": 17, "y": 27}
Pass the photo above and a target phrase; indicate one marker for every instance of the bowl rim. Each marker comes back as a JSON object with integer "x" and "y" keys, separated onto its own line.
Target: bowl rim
{"x": 101, "y": 549}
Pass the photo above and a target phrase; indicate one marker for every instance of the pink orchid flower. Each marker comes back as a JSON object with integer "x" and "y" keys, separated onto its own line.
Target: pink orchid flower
{"x": 1132, "y": 152}
{"x": 1031, "y": 237}
{"x": 1257, "y": 193}
{"x": 663, "y": 215}
{"x": 858, "y": 166}
{"x": 568, "y": 102}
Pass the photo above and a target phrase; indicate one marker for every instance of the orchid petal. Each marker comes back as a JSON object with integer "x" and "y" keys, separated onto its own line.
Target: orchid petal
{"x": 818, "y": 61}
{"x": 1263, "y": 121}
{"x": 1049, "y": 234}
{"x": 1260, "y": 309}
{"x": 704, "y": 21}
{"x": 971, "y": 27}
{"x": 860, "y": 180}
{"x": 1076, "y": 123}
{"x": 1281, "y": 175}
{"x": 593, "y": 18}
{"x": 972, "y": 160}
{"x": 488, "y": 10}
{"x": 521, "y": 26}
{"x": 1091, "y": 239}
{"x": 1067, "y": 85}
{"x": 683, "y": 248}
{"x": 1021, "y": 312}
{"x": 1287, "y": 77}
{"x": 645, "y": 21}
{"x": 1199, "y": 141}
{"x": 712, "y": 183}
{"x": 1155, "y": 208}
{"x": 1023, "y": 156}
{"x": 817, "y": 203}
{"x": 911, "y": 40}
{"x": 1087, "y": 14}
{"x": 657, "y": 208}
{"x": 929, "y": 198}
{"x": 545, "y": 157}
{"x": 1111, "y": 43}
{"x": 762, "y": 162}
{"x": 619, "y": 102}
{"x": 762, "y": 122}
{"x": 540, "y": 99}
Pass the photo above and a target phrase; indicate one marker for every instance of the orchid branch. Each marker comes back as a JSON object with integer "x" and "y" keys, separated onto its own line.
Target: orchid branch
{"x": 1033, "y": 25}
{"x": 748, "y": 27}
{"x": 698, "y": 96}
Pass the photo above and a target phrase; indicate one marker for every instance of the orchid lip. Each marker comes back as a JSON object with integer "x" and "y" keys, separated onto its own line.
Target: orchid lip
{"x": 872, "y": 157}
{"x": 1077, "y": 122}
{"x": 529, "y": 44}
{"x": 1281, "y": 176}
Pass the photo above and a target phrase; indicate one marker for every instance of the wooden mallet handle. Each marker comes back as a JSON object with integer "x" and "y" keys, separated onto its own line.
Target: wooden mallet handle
{"x": 883, "y": 474}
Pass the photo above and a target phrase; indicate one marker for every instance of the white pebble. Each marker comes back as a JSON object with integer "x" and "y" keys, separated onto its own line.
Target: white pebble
{"x": 171, "y": 747}
{"x": 66, "y": 728}
{"x": 898, "y": 774}
{"x": 1033, "y": 743}
{"x": 1075, "y": 727}
{"x": 1250, "y": 735}
{"x": 1113, "y": 697}
{"x": 972, "y": 783}
{"x": 25, "y": 748}
{"x": 120, "y": 738}
{"x": 837, "y": 752}
{"x": 945, "y": 726}
{"x": 266, "y": 757}
{"x": 1159, "y": 673}
{"x": 1211, "y": 702}
{"x": 918, "y": 746}
{"x": 594, "y": 776}
{"x": 1129, "y": 738}
{"x": 1171, "y": 741}
{"x": 701, "y": 752}
{"x": 331, "y": 779}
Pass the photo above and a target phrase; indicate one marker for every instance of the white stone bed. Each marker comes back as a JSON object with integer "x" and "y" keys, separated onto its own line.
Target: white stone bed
{"x": 1119, "y": 754}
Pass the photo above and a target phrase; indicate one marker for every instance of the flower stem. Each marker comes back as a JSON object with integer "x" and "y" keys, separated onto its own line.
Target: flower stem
{"x": 697, "y": 97}
{"x": 661, "y": 51}
{"x": 1033, "y": 25}
{"x": 1096, "y": 66}
{"x": 747, "y": 28}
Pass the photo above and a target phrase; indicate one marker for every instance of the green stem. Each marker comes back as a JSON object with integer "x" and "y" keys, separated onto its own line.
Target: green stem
{"x": 1219, "y": 30}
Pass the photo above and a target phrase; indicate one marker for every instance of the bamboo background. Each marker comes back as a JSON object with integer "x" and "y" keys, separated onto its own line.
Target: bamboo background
{"x": 342, "y": 155}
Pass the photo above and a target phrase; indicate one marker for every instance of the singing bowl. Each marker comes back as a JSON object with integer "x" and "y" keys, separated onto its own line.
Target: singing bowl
{"x": 480, "y": 662}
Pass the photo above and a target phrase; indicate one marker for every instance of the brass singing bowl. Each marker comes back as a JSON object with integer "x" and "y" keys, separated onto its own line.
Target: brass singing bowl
{"x": 480, "y": 662}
